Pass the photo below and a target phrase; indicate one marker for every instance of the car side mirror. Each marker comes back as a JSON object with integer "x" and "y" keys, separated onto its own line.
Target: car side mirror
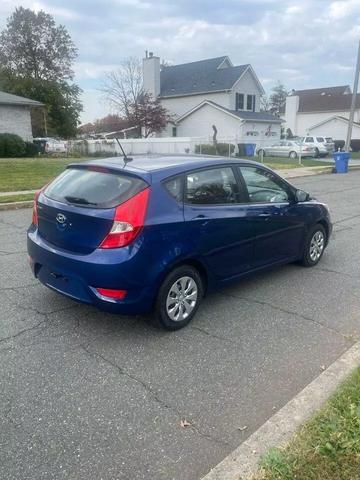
{"x": 301, "y": 196}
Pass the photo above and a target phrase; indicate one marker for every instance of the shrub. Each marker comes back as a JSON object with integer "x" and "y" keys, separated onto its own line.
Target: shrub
{"x": 223, "y": 149}
{"x": 31, "y": 149}
{"x": 220, "y": 149}
{"x": 11, "y": 145}
{"x": 339, "y": 144}
{"x": 355, "y": 145}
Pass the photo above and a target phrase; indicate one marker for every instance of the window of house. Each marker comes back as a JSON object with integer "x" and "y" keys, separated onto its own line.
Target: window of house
{"x": 216, "y": 186}
{"x": 239, "y": 101}
{"x": 263, "y": 186}
{"x": 174, "y": 131}
{"x": 250, "y": 103}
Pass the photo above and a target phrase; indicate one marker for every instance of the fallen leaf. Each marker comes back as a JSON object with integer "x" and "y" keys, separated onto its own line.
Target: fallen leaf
{"x": 322, "y": 367}
{"x": 242, "y": 428}
{"x": 185, "y": 423}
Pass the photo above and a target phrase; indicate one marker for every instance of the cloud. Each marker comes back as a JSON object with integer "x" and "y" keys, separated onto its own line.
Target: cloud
{"x": 303, "y": 43}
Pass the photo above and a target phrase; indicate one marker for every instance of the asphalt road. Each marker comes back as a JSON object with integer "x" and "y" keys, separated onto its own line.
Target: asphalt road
{"x": 86, "y": 395}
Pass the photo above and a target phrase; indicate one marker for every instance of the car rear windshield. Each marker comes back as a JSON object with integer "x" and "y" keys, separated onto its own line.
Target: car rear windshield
{"x": 94, "y": 187}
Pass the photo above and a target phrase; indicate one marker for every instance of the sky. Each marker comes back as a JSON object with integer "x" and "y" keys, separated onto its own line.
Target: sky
{"x": 302, "y": 43}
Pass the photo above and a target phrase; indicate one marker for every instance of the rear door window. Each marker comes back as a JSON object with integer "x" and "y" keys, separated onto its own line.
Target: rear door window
{"x": 215, "y": 186}
{"x": 95, "y": 187}
{"x": 309, "y": 139}
{"x": 320, "y": 139}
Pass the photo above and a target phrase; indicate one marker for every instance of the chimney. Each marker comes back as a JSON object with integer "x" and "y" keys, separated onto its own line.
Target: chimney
{"x": 151, "y": 74}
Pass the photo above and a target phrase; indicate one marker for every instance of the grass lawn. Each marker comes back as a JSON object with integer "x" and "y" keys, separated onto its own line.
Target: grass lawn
{"x": 16, "y": 198}
{"x": 30, "y": 173}
{"x": 279, "y": 163}
{"x": 18, "y": 174}
{"x": 325, "y": 448}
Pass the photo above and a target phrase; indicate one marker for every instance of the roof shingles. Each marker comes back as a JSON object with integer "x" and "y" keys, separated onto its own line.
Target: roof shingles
{"x": 10, "y": 99}
{"x": 199, "y": 77}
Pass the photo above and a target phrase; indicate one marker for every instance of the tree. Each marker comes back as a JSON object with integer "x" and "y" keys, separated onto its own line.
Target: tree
{"x": 36, "y": 59}
{"x": 33, "y": 46}
{"x": 148, "y": 115}
{"x": 124, "y": 86}
{"x": 265, "y": 103}
{"x": 278, "y": 98}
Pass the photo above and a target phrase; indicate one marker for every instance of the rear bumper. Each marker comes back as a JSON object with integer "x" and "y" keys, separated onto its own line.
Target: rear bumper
{"x": 77, "y": 276}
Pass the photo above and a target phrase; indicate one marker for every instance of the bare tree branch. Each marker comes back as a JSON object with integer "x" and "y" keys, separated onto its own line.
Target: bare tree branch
{"x": 124, "y": 86}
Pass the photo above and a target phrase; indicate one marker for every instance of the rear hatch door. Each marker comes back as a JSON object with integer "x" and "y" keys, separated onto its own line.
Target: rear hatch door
{"x": 76, "y": 211}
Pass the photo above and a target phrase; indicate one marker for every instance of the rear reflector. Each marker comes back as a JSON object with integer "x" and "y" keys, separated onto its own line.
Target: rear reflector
{"x": 128, "y": 222}
{"x": 116, "y": 294}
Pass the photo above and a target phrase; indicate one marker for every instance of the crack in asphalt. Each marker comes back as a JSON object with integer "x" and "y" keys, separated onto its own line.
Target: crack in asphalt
{"x": 329, "y": 270}
{"x": 288, "y": 312}
{"x": 346, "y": 219}
{"x": 6, "y": 289}
{"x": 38, "y": 325}
{"x": 154, "y": 395}
{"x": 7, "y": 254}
{"x": 213, "y": 335}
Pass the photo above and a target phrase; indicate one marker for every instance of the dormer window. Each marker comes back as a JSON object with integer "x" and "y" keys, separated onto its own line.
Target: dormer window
{"x": 239, "y": 101}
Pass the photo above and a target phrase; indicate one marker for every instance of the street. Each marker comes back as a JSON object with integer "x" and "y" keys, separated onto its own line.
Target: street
{"x": 88, "y": 395}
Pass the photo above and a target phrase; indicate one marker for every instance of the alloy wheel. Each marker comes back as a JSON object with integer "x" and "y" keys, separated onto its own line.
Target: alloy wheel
{"x": 317, "y": 245}
{"x": 181, "y": 299}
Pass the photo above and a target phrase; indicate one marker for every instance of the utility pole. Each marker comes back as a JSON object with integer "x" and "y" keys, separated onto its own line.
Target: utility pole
{"x": 353, "y": 102}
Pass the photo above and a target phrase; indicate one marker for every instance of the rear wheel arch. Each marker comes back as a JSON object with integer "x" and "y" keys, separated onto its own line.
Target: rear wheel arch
{"x": 192, "y": 262}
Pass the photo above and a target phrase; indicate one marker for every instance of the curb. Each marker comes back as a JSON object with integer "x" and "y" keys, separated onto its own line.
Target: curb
{"x": 16, "y": 205}
{"x": 244, "y": 460}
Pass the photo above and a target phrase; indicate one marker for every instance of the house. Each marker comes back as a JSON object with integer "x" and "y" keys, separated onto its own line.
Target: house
{"x": 322, "y": 111}
{"x": 212, "y": 92}
{"x": 15, "y": 115}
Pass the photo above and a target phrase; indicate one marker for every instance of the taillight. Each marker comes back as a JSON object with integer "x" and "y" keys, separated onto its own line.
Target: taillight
{"x": 35, "y": 218}
{"x": 128, "y": 221}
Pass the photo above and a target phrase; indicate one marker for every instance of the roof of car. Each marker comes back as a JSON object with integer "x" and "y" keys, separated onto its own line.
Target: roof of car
{"x": 169, "y": 164}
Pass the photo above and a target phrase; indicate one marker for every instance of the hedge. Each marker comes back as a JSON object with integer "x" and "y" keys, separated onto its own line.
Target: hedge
{"x": 354, "y": 144}
{"x": 220, "y": 149}
{"x": 11, "y": 145}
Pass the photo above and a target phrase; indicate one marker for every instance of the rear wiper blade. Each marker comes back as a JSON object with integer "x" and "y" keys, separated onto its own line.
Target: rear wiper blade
{"x": 78, "y": 200}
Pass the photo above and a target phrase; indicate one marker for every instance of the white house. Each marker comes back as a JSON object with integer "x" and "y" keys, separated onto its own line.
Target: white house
{"x": 209, "y": 93}
{"x": 15, "y": 115}
{"x": 322, "y": 111}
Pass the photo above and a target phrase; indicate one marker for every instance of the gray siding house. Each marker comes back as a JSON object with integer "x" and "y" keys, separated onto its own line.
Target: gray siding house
{"x": 15, "y": 115}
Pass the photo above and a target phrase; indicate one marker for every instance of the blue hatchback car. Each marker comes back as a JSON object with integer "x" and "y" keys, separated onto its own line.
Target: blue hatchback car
{"x": 156, "y": 233}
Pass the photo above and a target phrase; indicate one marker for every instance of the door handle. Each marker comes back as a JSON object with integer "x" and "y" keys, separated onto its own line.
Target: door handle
{"x": 200, "y": 217}
{"x": 267, "y": 215}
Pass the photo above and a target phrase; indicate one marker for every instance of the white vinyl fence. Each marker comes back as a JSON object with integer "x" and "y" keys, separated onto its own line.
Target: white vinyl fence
{"x": 164, "y": 145}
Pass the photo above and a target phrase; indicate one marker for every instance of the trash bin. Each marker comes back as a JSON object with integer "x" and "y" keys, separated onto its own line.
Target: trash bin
{"x": 341, "y": 161}
{"x": 250, "y": 149}
{"x": 241, "y": 147}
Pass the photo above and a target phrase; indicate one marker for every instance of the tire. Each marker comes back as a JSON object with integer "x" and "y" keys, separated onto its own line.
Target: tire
{"x": 314, "y": 246}
{"x": 261, "y": 152}
{"x": 172, "y": 300}
{"x": 293, "y": 154}
{"x": 317, "y": 153}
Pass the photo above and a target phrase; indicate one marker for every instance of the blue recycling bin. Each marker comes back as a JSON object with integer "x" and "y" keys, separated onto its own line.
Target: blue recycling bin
{"x": 341, "y": 162}
{"x": 250, "y": 149}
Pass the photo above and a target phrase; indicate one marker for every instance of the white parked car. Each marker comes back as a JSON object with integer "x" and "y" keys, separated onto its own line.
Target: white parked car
{"x": 323, "y": 145}
{"x": 287, "y": 148}
{"x": 51, "y": 145}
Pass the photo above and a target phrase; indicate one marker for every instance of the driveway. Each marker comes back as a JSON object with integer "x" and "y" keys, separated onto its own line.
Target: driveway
{"x": 86, "y": 395}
